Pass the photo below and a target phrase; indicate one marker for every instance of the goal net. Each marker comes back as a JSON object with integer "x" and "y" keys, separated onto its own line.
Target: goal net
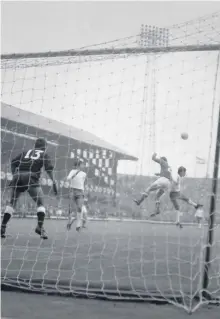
{"x": 112, "y": 104}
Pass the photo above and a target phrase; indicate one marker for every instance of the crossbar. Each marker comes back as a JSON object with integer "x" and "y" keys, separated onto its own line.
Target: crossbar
{"x": 93, "y": 52}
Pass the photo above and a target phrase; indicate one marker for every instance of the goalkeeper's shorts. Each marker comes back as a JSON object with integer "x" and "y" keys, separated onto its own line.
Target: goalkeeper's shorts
{"x": 23, "y": 181}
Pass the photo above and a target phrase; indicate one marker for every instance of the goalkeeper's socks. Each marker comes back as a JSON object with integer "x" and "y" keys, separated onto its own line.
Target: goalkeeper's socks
{"x": 6, "y": 219}
{"x": 9, "y": 210}
{"x": 3, "y": 229}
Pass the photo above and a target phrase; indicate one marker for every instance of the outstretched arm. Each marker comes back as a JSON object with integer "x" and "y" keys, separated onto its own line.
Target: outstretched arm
{"x": 15, "y": 163}
{"x": 159, "y": 160}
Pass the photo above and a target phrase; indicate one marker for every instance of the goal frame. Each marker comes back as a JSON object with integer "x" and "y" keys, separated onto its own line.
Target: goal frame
{"x": 155, "y": 50}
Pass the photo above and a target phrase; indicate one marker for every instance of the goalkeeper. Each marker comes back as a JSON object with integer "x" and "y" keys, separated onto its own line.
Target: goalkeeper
{"x": 26, "y": 171}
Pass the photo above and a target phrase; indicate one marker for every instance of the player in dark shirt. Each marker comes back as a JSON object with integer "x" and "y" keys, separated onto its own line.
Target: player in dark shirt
{"x": 26, "y": 171}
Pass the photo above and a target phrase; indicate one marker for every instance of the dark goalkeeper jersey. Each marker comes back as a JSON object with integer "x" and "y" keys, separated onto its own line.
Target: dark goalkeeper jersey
{"x": 31, "y": 162}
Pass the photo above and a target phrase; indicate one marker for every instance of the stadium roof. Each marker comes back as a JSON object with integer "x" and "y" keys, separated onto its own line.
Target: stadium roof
{"x": 15, "y": 114}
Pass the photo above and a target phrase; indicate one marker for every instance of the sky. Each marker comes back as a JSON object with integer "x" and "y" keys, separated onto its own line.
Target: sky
{"x": 41, "y": 26}
{"x": 139, "y": 103}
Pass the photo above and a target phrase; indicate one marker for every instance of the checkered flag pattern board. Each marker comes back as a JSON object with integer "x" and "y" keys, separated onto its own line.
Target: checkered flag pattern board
{"x": 101, "y": 160}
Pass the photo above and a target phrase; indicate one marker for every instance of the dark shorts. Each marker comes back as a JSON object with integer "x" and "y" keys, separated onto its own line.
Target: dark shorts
{"x": 174, "y": 195}
{"x": 177, "y": 195}
{"x": 23, "y": 181}
{"x": 76, "y": 193}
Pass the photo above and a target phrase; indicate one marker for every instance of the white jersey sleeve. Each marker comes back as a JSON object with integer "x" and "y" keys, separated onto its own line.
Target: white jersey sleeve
{"x": 71, "y": 174}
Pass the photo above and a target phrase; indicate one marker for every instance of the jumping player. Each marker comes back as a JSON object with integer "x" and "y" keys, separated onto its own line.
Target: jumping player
{"x": 77, "y": 179}
{"x": 176, "y": 194}
{"x": 26, "y": 171}
{"x": 161, "y": 185}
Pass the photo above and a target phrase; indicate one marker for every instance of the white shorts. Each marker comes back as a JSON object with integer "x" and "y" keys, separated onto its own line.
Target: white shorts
{"x": 199, "y": 213}
{"x": 162, "y": 183}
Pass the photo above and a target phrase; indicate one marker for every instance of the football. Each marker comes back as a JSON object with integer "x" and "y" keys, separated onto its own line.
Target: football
{"x": 184, "y": 136}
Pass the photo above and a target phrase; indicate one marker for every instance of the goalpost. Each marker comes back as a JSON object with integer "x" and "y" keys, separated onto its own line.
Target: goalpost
{"x": 107, "y": 90}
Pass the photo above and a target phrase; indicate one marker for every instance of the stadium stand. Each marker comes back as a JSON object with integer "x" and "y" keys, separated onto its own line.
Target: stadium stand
{"x": 19, "y": 129}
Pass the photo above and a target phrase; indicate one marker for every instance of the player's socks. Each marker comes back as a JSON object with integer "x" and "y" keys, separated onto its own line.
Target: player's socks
{"x": 139, "y": 201}
{"x": 177, "y": 216}
{"x": 41, "y": 231}
{"x": 192, "y": 203}
{"x": 154, "y": 214}
{"x": 79, "y": 221}
{"x": 40, "y": 220}
{"x": 3, "y": 229}
{"x": 178, "y": 219}
{"x": 70, "y": 222}
{"x": 157, "y": 207}
{"x": 7, "y": 216}
{"x": 6, "y": 219}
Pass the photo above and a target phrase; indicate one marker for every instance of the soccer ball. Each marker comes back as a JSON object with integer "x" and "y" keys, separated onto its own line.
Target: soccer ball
{"x": 184, "y": 136}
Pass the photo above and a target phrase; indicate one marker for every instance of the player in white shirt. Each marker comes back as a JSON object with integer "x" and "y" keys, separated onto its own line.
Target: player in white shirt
{"x": 77, "y": 179}
{"x": 161, "y": 185}
{"x": 176, "y": 194}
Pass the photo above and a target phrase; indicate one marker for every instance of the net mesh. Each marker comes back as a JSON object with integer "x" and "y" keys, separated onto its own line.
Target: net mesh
{"x": 132, "y": 103}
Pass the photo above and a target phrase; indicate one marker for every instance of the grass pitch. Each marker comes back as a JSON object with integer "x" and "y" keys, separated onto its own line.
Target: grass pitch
{"x": 136, "y": 257}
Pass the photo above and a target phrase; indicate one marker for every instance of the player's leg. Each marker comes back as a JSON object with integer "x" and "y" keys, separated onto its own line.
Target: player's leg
{"x": 71, "y": 219}
{"x": 84, "y": 216}
{"x": 161, "y": 183}
{"x": 153, "y": 187}
{"x": 187, "y": 200}
{"x": 79, "y": 199}
{"x": 9, "y": 209}
{"x": 174, "y": 196}
{"x": 199, "y": 222}
{"x": 71, "y": 213}
{"x": 36, "y": 194}
{"x": 159, "y": 194}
